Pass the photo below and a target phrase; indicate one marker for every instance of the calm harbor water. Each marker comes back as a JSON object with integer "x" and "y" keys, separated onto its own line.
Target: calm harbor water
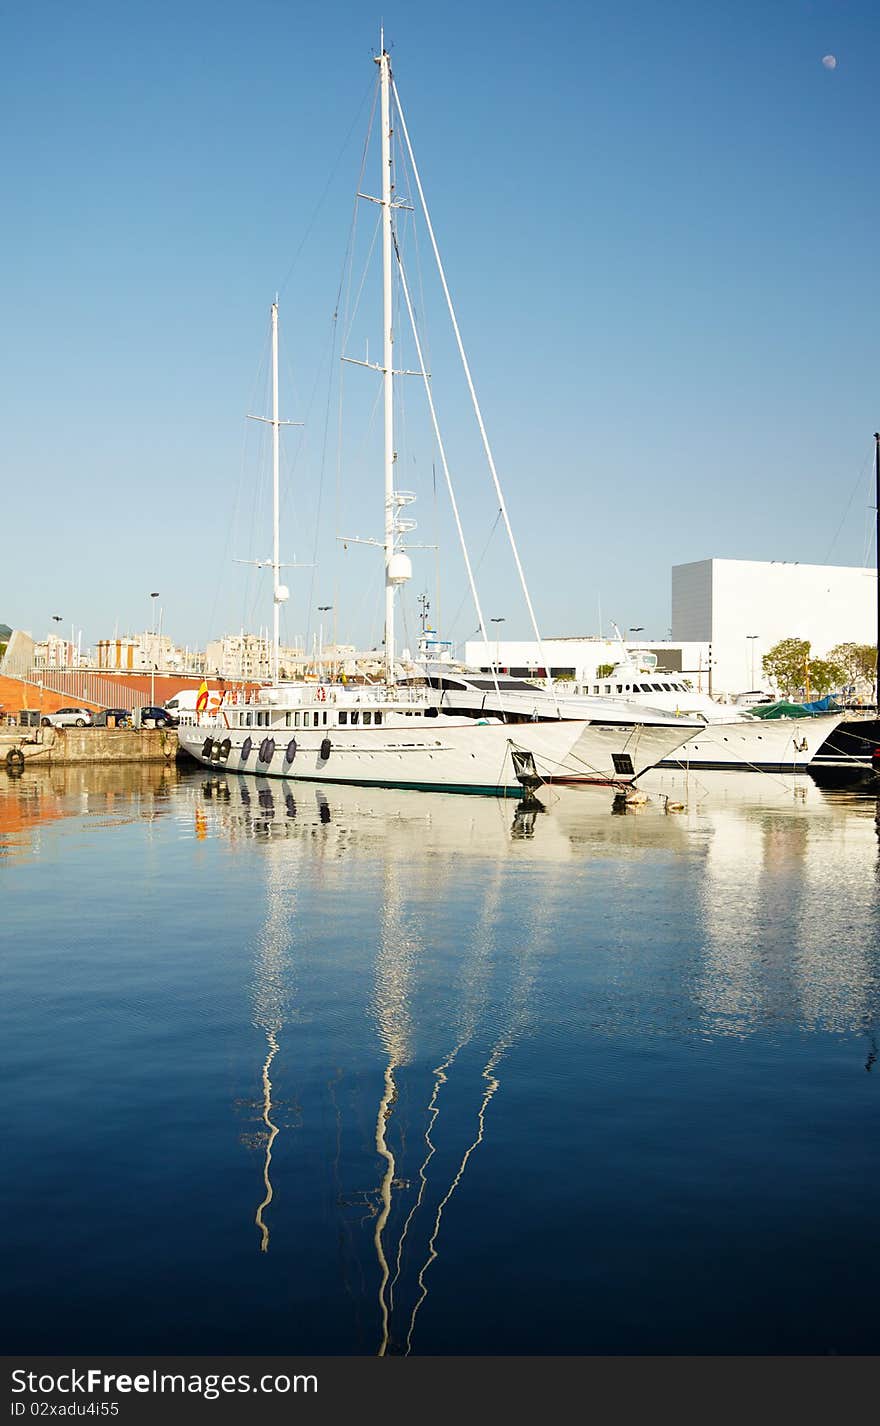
{"x": 292, "y": 1070}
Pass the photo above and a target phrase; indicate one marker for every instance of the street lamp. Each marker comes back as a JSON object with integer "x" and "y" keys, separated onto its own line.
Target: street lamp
{"x": 154, "y": 595}
{"x": 751, "y": 639}
{"x": 57, "y": 618}
{"x": 496, "y": 622}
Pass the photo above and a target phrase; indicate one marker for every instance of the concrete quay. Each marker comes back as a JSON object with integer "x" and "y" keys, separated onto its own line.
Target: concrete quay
{"x": 67, "y": 747}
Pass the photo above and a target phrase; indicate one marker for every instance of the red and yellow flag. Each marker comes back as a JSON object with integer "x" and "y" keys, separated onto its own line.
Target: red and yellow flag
{"x": 202, "y": 700}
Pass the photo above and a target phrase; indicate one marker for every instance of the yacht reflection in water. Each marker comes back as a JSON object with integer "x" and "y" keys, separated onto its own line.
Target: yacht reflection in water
{"x": 775, "y": 882}
{"x": 346, "y": 820}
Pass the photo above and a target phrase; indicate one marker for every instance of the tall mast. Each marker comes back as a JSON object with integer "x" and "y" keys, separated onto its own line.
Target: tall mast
{"x": 276, "y": 556}
{"x": 877, "y": 538}
{"x": 384, "y": 63}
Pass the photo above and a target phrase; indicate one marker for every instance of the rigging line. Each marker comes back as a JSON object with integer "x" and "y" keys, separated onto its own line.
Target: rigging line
{"x": 369, "y": 258}
{"x": 413, "y": 228}
{"x": 345, "y": 283}
{"x": 866, "y": 466}
{"x": 750, "y": 766}
{"x": 442, "y": 451}
{"x": 476, "y": 405}
{"x": 477, "y": 568}
{"x": 870, "y": 531}
{"x": 221, "y": 581}
{"x": 331, "y": 175}
{"x": 322, "y": 469}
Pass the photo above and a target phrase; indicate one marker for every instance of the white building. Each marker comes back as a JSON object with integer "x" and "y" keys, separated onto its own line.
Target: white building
{"x": 743, "y": 607}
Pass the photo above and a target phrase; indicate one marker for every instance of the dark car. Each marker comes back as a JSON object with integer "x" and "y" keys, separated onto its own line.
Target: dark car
{"x": 113, "y": 717}
{"x": 153, "y": 717}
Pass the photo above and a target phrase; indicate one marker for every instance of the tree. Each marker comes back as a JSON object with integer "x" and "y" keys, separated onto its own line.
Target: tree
{"x": 786, "y": 666}
{"x": 858, "y": 661}
{"x": 605, "y": 670}
{"x": 826, "y": 675}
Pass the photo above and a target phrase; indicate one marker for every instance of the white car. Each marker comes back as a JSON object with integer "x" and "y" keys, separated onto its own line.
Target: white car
{"x": 67, "y": 718}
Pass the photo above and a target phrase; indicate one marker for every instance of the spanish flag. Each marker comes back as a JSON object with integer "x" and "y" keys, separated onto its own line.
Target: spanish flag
{"x": 202, "y": 700}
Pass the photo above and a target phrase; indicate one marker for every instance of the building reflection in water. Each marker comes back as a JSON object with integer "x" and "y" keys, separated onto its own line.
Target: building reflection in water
{"x": 783, "y": 907}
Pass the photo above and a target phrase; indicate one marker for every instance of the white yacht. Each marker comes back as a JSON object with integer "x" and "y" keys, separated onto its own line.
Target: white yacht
{"x": 731, "y": 737}
{"x": 386, "y": 734}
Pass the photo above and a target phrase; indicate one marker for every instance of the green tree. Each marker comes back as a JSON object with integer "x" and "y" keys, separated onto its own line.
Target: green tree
{"x": 786, "y": 666}
{"x": 826, "y": 675}
{"x": 605, "y": 670}
{"x": 859, "y": 661}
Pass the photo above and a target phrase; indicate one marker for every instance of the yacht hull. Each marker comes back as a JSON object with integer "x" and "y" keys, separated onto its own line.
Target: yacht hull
{"x": 443, "y": 755}
{"x": 779, "y": 745}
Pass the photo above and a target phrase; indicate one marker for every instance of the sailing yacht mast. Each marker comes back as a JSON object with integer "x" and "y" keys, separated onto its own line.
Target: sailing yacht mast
{"x": 277, "y": 587}
{"x": 280, "y": 592}
{"x": 877, "y": 541}
{"x": 384, "y": 63}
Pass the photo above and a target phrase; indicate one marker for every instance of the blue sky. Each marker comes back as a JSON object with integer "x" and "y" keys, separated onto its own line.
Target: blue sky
{"x": 659, "y": 223}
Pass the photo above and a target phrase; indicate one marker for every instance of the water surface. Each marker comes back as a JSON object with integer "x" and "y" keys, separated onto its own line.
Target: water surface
{"x": 339, "y": 1071}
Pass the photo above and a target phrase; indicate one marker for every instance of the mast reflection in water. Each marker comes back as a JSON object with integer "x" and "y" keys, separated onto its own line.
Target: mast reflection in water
{"x": 363, "y": 1071}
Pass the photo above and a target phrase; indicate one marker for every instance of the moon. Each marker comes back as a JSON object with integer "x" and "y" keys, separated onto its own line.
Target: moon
{"x": 829, "y": 61}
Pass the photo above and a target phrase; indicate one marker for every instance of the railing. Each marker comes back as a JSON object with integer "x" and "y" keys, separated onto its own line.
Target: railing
{"x": 77, "y": 684}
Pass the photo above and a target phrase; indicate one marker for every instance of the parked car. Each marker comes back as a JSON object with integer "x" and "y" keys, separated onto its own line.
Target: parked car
{"x": 155, "y": 717}
{"x": 121, "y": 717}
{"x": 67, "y": 718}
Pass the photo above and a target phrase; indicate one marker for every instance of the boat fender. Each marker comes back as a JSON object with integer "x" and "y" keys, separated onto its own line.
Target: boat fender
{"x": 290, "y": 754}
{"x": 246, "y": 748}
{"x": 215, "y": 750}
{"x": 325, "y": 749}
{"x": 15, "y": 760}
{"x": 267, "y": 750}
{"x": 322, "y": 694}
{"x": 206, "y": 747}
{"x": 225, "y": 748}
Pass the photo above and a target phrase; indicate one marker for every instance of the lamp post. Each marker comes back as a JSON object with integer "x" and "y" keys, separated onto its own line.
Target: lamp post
{"x": 751, "y": 639}
{"x": 496, "y": 622}
{"x": 57, "y": 619}
{"x": 154, "y": 595}
{"x": 322, "y": 609}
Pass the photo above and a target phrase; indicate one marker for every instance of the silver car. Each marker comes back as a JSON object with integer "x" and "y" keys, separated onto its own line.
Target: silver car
{"x": 67, "y": 718}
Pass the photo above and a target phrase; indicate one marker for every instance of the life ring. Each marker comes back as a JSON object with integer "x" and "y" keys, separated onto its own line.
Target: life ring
{"x": 322, "y": 694}
{"x": 14, "y": 760}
